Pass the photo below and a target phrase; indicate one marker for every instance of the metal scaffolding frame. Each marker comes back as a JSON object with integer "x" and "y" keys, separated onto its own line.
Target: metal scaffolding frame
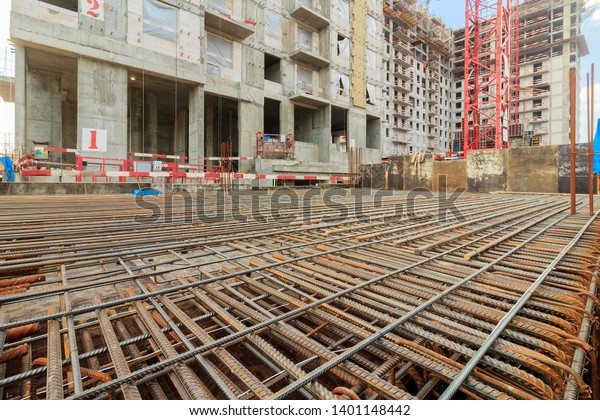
{"x": 487, "y": 74}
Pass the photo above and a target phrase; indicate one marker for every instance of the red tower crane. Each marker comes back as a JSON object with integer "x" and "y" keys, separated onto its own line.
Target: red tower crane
{"x": 487, "y": 76}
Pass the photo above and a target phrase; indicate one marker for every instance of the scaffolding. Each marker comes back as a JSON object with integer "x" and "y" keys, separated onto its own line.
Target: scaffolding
{"x": 487, "y": 74}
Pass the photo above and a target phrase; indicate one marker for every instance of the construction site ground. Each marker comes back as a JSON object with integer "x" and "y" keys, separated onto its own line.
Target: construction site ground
{"x": 298, "y": 294}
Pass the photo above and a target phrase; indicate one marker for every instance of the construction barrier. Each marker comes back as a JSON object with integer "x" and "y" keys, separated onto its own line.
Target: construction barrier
{"x": 173, "y": 172}
{"x": 177, "y": 175}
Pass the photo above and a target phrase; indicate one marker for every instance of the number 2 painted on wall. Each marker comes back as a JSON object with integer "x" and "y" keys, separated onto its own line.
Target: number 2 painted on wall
{"x": 95, "y": 6}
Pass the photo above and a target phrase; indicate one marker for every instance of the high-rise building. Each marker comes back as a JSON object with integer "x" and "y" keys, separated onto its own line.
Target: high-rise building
{"x": 419, "y": 80}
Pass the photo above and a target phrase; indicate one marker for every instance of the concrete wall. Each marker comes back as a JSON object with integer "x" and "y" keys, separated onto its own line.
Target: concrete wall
{"x": 396, "y": 173}
{"x": 533, "y": 169}
{"x": 418, "y": 178}
{"x": 564, "y": 169}
{"x": 486, "y": 171}
{"x": 452, "y": 174}
{"x": 542, "y": 169}
{"x": 44, "y": 114}
{"x": 102, "y": 102}
{"x": 55, "y": 188}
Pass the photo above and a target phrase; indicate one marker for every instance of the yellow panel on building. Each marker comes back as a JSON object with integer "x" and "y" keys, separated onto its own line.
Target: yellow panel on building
{"x": 359, "y": 51}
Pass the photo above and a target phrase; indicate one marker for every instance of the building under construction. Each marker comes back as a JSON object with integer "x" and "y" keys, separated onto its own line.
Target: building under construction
{"x": 422, "y": 277}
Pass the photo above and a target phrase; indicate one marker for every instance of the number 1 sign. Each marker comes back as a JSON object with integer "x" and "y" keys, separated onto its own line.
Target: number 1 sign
{"x": 93, "y": 140}
{"x": 93, "y": 8}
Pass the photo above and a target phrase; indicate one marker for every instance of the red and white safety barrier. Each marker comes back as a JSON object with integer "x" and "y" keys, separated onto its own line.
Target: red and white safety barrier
{"x": 60, "y": 150}
{"x": 178, "y": 175}
{"x": 229, "y": 158}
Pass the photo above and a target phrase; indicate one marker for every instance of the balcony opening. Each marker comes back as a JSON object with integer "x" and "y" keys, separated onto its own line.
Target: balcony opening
{"x": 339, "y": 128}
{"x": 272, "y": 68}
{"x": 308, "y": 122}
{"x": 71, "y": 5}
{"x": 373, "y": 133}
{"x": 343, "y": 47}
{"x": 304, "y": 80}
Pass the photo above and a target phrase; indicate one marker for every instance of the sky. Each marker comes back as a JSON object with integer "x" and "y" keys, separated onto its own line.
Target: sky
{"x": 7, "y": 111}
{"x": 451, "y": 12}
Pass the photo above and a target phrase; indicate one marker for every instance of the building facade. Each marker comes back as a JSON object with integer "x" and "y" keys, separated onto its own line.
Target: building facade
{"x": 194, "y": 77}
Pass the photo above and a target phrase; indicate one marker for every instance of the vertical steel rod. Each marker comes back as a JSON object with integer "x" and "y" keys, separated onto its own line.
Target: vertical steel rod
{"x": 572, "y": 135}
{"x": 74, "y": 352}
{"x": 54, "y": 373}
{"x": 3, "y": 320}
{"x": 590, "y": 149}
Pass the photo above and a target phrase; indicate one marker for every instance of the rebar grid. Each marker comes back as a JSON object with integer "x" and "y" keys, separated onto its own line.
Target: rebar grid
{"x": 323, "y": 294}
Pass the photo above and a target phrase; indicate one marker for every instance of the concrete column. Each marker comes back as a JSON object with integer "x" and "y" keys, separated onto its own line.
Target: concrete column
{"x": 210, "y": 143}
{"x": 323, "y": 133}
{"x": 136, "y": 118}
{"x": 102, "y": 103}
{"x": 115, "y": 20}
{"x": 69, "y": 129}
{"x": 357, "y": 127}
{"x": 180, "y": 134}
{"x": 44, "y": 109}
{"x": 286, "y": 118}
{"x": 196, "y": 125}
{"x": 151, "y": 123}
{"x": 251, "y": 121}
{"x": 20, "y": 96}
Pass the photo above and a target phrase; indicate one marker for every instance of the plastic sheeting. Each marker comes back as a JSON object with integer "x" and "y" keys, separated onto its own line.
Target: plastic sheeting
{"x": 371, "y": 94}
{"x": 272, "y": 24}
{"x": 371, "y": 26}
{"x": 344, "y": 10}
{"x": 371, "y": 60}
{"x": 222, "y": 6}
{"x": 343, "y": 83}
{"x": 304, "y": 39}
{"x": 160, "y": 20}
{"x": 343, "y": 46}
{"x": 219, "y": 52}
{"x": 146, "y": 192}
{"x": 304, "y": 77}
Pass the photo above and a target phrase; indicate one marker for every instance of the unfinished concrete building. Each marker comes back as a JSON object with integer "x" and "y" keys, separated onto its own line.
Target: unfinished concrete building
{"x": 419, "y": 80}
{"x": 201, "y": 79}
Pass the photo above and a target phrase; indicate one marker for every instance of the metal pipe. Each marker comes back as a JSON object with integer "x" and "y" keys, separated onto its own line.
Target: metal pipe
{"x": 572, "y": 134}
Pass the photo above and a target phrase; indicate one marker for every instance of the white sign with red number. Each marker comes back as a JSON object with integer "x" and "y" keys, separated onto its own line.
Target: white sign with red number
{"x": 93, "y": 140}
{"x": 93, "y": 8}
